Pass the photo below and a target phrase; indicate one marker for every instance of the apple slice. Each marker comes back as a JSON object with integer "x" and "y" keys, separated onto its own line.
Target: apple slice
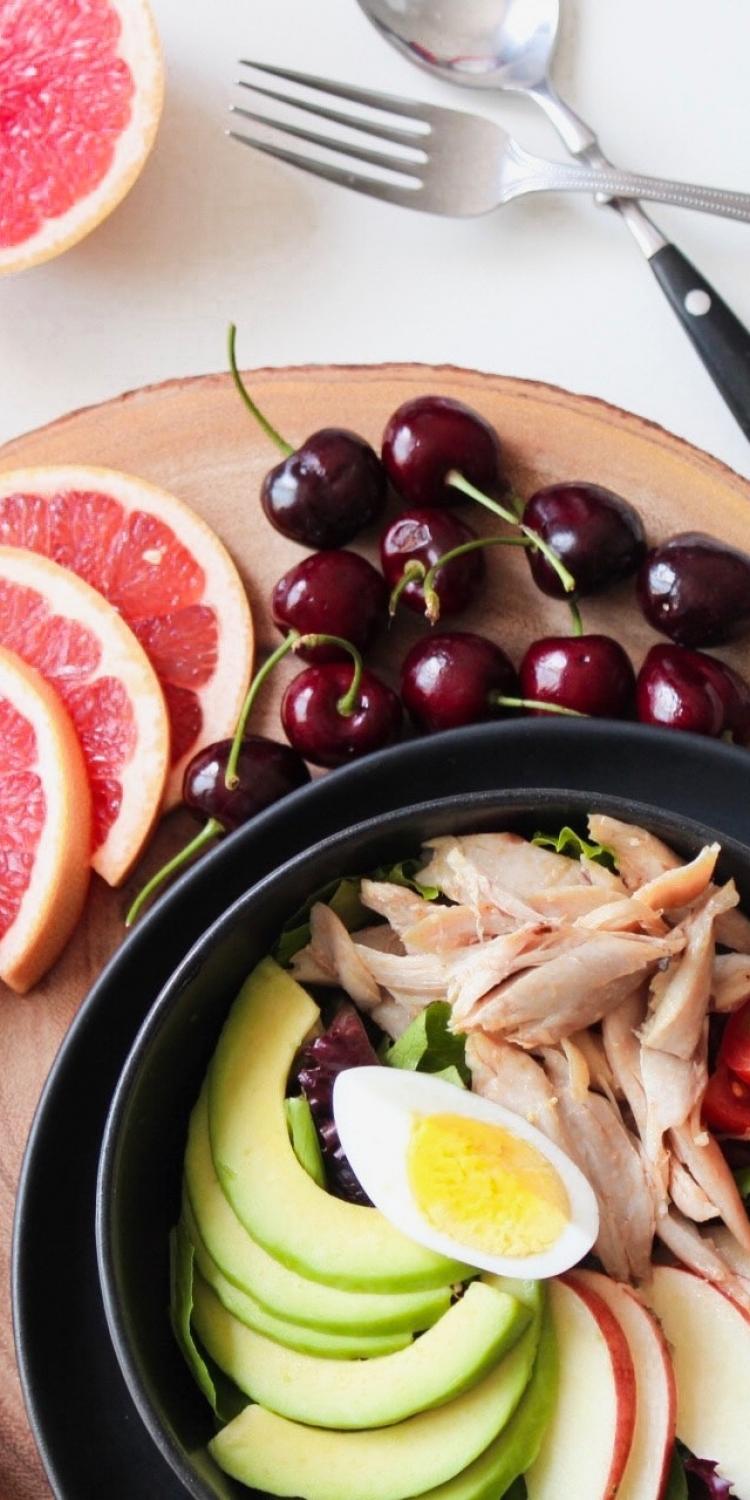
{"x": 647, "y": 1469}
{"x": 709, "y": 1336}
{"x": 586, "y": 1446}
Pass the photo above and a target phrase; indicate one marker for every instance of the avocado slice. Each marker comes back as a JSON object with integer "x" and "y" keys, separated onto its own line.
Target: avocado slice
{"x": 341, "y": 1244}
{"x": 293, "y": 1335}
{"x": 446, "y": 1361}
{"x": 514, "y": 1451}
{"x": 280, "y": 1291}
{"x": 280, "y": 1457}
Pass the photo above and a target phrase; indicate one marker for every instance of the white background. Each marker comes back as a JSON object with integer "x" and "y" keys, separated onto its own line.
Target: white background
{"x": 550, "y": 288}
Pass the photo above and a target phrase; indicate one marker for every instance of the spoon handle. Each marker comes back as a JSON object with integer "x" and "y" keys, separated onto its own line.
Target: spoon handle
{"x": 721, "y": 340}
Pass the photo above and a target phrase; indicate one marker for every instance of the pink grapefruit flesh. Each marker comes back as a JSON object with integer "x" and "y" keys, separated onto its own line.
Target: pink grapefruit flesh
{"x": 81, "y": 87}
{"x": 45, "y": 825}
{"x": 166, "y": 573}
{"x": 86, "y": 652}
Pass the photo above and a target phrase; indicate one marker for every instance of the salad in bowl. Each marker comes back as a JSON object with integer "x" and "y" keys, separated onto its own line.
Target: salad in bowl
{"x": 464, "y": 1207}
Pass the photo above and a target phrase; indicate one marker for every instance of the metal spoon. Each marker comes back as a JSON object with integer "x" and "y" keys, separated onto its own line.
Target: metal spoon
{"x": 509, "y": 44}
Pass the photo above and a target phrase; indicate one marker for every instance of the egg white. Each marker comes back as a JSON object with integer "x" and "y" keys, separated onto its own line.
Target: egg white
{"x": 375, "y": 1110}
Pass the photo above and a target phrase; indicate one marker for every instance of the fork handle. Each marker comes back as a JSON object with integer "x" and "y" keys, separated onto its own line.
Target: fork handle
{"x": 536, "y": 175}
{"x": 721, "y": 340}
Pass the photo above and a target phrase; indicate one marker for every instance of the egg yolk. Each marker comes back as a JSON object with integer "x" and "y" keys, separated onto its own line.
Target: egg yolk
{"x": 484, "y": 1187}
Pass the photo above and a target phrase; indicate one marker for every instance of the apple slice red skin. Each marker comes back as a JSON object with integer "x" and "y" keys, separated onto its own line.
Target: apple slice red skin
{"x": 623, "y": 1374}
{"x": 611, "y": 1292}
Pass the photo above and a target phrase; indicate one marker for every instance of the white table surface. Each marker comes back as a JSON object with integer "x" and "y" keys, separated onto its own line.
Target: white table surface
{"x": 551, "y": 288}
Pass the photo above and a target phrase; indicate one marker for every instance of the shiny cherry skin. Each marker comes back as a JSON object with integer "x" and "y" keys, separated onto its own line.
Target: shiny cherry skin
{"x": 325, "y": 492}
{"x": 454, "y": 678}
{"x": 331, "y": 593}
{"x": 682, "y": 689}
{"x": 598, "y": 536}
{"x": 267, "y": 771}
{"x": 588, "y": 673}
{"x": 696, "y": 590}
{"x": 429, "y": 436}
{"x": 424, "y": 536}
{"x": 316, "y": 729}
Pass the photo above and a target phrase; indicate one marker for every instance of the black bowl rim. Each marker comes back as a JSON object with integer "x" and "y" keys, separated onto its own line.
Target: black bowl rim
{"x": 633, "y": 811}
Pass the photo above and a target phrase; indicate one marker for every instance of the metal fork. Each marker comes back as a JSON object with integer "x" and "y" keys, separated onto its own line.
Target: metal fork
{"x": 447, "y": 161}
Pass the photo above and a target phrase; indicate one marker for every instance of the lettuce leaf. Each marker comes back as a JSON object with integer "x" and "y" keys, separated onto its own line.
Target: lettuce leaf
{"x": 221, "y": 1392}
{"x": 429, "y": 1046}
{"x": 405, "y": 873}
{"x": 567, "y": 841}
{"x": 677, "y": 1483}
{"x": 703, "y": 1482}
{"x": 742, "y": 1178}
{"x": 304, "y": 1138}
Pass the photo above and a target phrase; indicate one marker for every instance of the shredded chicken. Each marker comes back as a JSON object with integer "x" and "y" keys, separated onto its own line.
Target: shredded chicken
{"x": 583, "y": 976}
{"x": 400, "y": 906}
{"x": 730, "y": 981}
{"x": 609, "y": 1156}
{"x": 680, "y": 1000}
{"x": 513, "y": 1078}
{"x": 608, "y": 978}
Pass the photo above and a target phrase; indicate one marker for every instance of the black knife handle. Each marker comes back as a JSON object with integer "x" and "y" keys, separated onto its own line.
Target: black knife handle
{"x": 721, "y": 340}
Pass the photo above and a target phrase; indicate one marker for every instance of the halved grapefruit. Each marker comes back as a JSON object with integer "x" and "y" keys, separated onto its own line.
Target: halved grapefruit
{"x": 45, "y": 825}
{"x": 86, "y": 652}
{"x": 81, "y": 87}
{"x": 167, "y": 574}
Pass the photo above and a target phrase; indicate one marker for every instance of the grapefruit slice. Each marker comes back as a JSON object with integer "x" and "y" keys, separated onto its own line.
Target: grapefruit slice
{"x": 45, "y": 825}
{"x": 81, "y": 87}
{"x": 167, "y": 574}
{"x": 87, "y": 653}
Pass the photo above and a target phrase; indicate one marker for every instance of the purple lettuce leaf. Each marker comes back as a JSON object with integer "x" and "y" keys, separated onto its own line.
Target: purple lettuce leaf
{"x": 344, "y": 1044}
{"x": 703, "y": 1481}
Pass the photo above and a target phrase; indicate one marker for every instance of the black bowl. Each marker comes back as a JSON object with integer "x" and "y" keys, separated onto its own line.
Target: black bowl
{"x": 138, "y": 1191}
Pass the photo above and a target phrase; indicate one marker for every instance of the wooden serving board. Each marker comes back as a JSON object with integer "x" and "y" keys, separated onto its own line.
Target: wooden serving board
{"x": 194, "y": 437}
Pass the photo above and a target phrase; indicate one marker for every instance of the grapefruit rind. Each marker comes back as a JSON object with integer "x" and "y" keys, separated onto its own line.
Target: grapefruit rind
{"x": 222, "y": 696}
{"x": 54, "y": 898}
{"x": 140, "y": 48}
{"x": 142, "y": 776}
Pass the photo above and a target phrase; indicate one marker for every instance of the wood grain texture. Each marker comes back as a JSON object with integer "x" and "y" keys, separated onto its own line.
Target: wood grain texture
{"x": 195, "y": 438}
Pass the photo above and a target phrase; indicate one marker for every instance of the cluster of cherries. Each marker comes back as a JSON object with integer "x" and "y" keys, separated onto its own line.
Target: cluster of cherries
{"x": 578, "y": 539}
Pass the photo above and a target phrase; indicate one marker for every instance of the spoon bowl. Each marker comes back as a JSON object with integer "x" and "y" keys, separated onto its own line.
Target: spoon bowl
{"x": 487, "y": 44}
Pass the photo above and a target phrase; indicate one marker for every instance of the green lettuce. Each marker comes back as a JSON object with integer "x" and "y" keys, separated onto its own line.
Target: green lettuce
{"x": 567, "y": 841}
{"x": 429, "y": 1046}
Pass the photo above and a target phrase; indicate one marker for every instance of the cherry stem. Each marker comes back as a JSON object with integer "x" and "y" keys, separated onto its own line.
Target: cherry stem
{"x": 499, "y": 700}
{"x": 283, "y": 446}
{"x": 458, "y": 482}
{"x": 576, "y": 617}
{"x": 431, "y": 597}
{"x": 292, "y": 642}
{"x": 211, "y": 830}
{"x": 414, "y": 572}
{"x": 231, "y": 779}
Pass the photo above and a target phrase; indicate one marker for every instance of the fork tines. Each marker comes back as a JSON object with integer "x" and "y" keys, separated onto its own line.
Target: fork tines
{"x": 405, "y": 176}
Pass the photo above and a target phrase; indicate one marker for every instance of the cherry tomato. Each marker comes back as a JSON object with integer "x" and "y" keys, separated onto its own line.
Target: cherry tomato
{"x": 735, "y": 1046}
{"x": 726, "y": 1103}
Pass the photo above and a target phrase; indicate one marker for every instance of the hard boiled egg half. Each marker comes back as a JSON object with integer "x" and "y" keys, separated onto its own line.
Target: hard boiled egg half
{"x": 463, "y": 1175}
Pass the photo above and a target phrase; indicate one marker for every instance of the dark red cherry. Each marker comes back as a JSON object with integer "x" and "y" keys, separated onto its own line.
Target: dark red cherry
{"x": 598, "y": 536}
{"x": 429, "y": 436}
{"x": 453, "y": 679}
{"x": 683, "y": 689}
{"x": 318, "y": 731}
{"x": 325, "y": 492}
{"x": 331, "y": 593}
{"x": 587, "y": 673}
{"x": 267, "y": 771}
{"x": 696, "y": 590}
{"x": 424, "y": 536}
